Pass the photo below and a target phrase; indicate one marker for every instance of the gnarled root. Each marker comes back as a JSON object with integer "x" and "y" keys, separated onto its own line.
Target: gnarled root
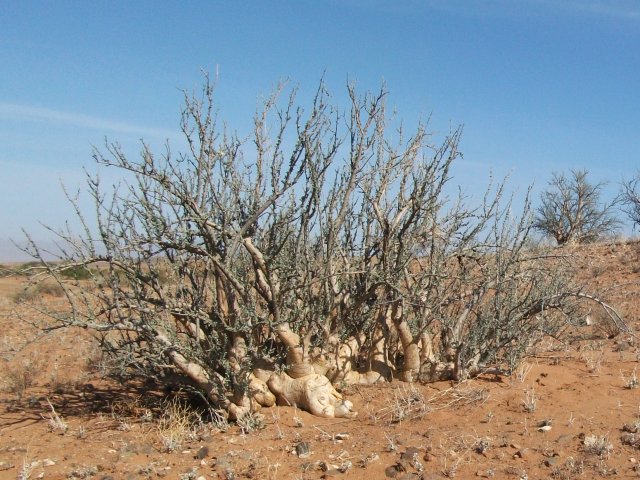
{"x": 259, "y": 396}
{"x": 313, "y": 393}
{"x": 260, "y": 393}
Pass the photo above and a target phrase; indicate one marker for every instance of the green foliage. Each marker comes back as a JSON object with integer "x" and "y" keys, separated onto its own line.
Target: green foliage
{"x": 76, "y": 272}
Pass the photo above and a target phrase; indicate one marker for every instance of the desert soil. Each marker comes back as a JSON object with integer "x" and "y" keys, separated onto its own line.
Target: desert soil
{"x": 570, "y": 411}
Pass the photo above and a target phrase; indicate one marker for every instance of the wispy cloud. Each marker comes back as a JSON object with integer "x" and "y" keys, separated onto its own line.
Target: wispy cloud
{"x": 28, "y": 113}
{"x": 628, "y": 10}
{"x": 617, "y": 9}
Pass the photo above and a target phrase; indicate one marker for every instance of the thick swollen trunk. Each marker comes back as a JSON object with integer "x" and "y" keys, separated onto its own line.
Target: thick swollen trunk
{"x": 311, "y": 392}
{"x": 378, "y": 368}
{"x": 432, "y": 370}
{"x": 340, "y": 368}
{"x": 291, "y": 340}
{"x": 258, "y": 394}
{"x": 411, "y": 365}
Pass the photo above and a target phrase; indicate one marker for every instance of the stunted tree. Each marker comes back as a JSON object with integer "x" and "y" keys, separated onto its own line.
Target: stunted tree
{"x": 630, "y": 199}
{"x": 572, "y": 210}
{"x": 325, "y": 251}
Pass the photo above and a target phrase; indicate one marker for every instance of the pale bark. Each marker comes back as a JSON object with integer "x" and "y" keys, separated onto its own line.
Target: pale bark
{"x": 313, "y": 393}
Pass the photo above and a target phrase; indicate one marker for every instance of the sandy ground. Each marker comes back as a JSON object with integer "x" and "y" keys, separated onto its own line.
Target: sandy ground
{"x": 569, "y": 412}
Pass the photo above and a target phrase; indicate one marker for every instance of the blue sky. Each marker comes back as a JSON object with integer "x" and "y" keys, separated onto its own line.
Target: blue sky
{"x": 540, "y": 85}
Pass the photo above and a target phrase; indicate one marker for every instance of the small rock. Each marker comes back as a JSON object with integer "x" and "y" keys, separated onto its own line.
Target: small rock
{"x": 410, "y": 454}
{"x": 564, "y": 439}
{"x": 544, "y": 428}
{"x": 303, "y": 449}
{"x": 521, "y": 453}
{"x": 550, "y": 462}
{"x": 201, "y": 477}
{"x": 5, "y": 466}
{"x": 394, "y": 470}
{"x": 47, "y": 462}
{"x": 485, "y": 473}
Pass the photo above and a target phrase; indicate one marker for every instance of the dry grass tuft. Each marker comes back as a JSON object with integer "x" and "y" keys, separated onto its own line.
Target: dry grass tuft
{"x": 250, "y": 422}
{"x": 177, "y": 424}
{"x": 630, "y": 381}
{"x": 35, "y": 292}
{"x": 407, "y": 403}
{"x": 597, "y": 445}
{"x": 19, "y": 377}
{"x": 56, "y": 422}
{"x": 530, "y": 401}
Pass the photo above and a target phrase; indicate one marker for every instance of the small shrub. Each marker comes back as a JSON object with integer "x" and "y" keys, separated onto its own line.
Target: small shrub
{"x": 56, "y": 422}
{"x": 530, "y": 401}
{"x": 6, "y": 271}
{"x": 605, "y": 324}
{"x": 190, "y": 475}
{"x": 631, "y": 381}
{"x": 76, "y": 272}
{"x": 26, "y": 469}
{"x": 597, "y": 445}
{"x": 32, "y": 293}
{"x": 631, "y": 439}
{"x": 571, "y": 469}
{"x": 83, "y": 472}
{"x": 18, "y": 378}
{"x": 407, "y": 403}
{"x": 593, "y": 356}
{"x": 251, "y": 422}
